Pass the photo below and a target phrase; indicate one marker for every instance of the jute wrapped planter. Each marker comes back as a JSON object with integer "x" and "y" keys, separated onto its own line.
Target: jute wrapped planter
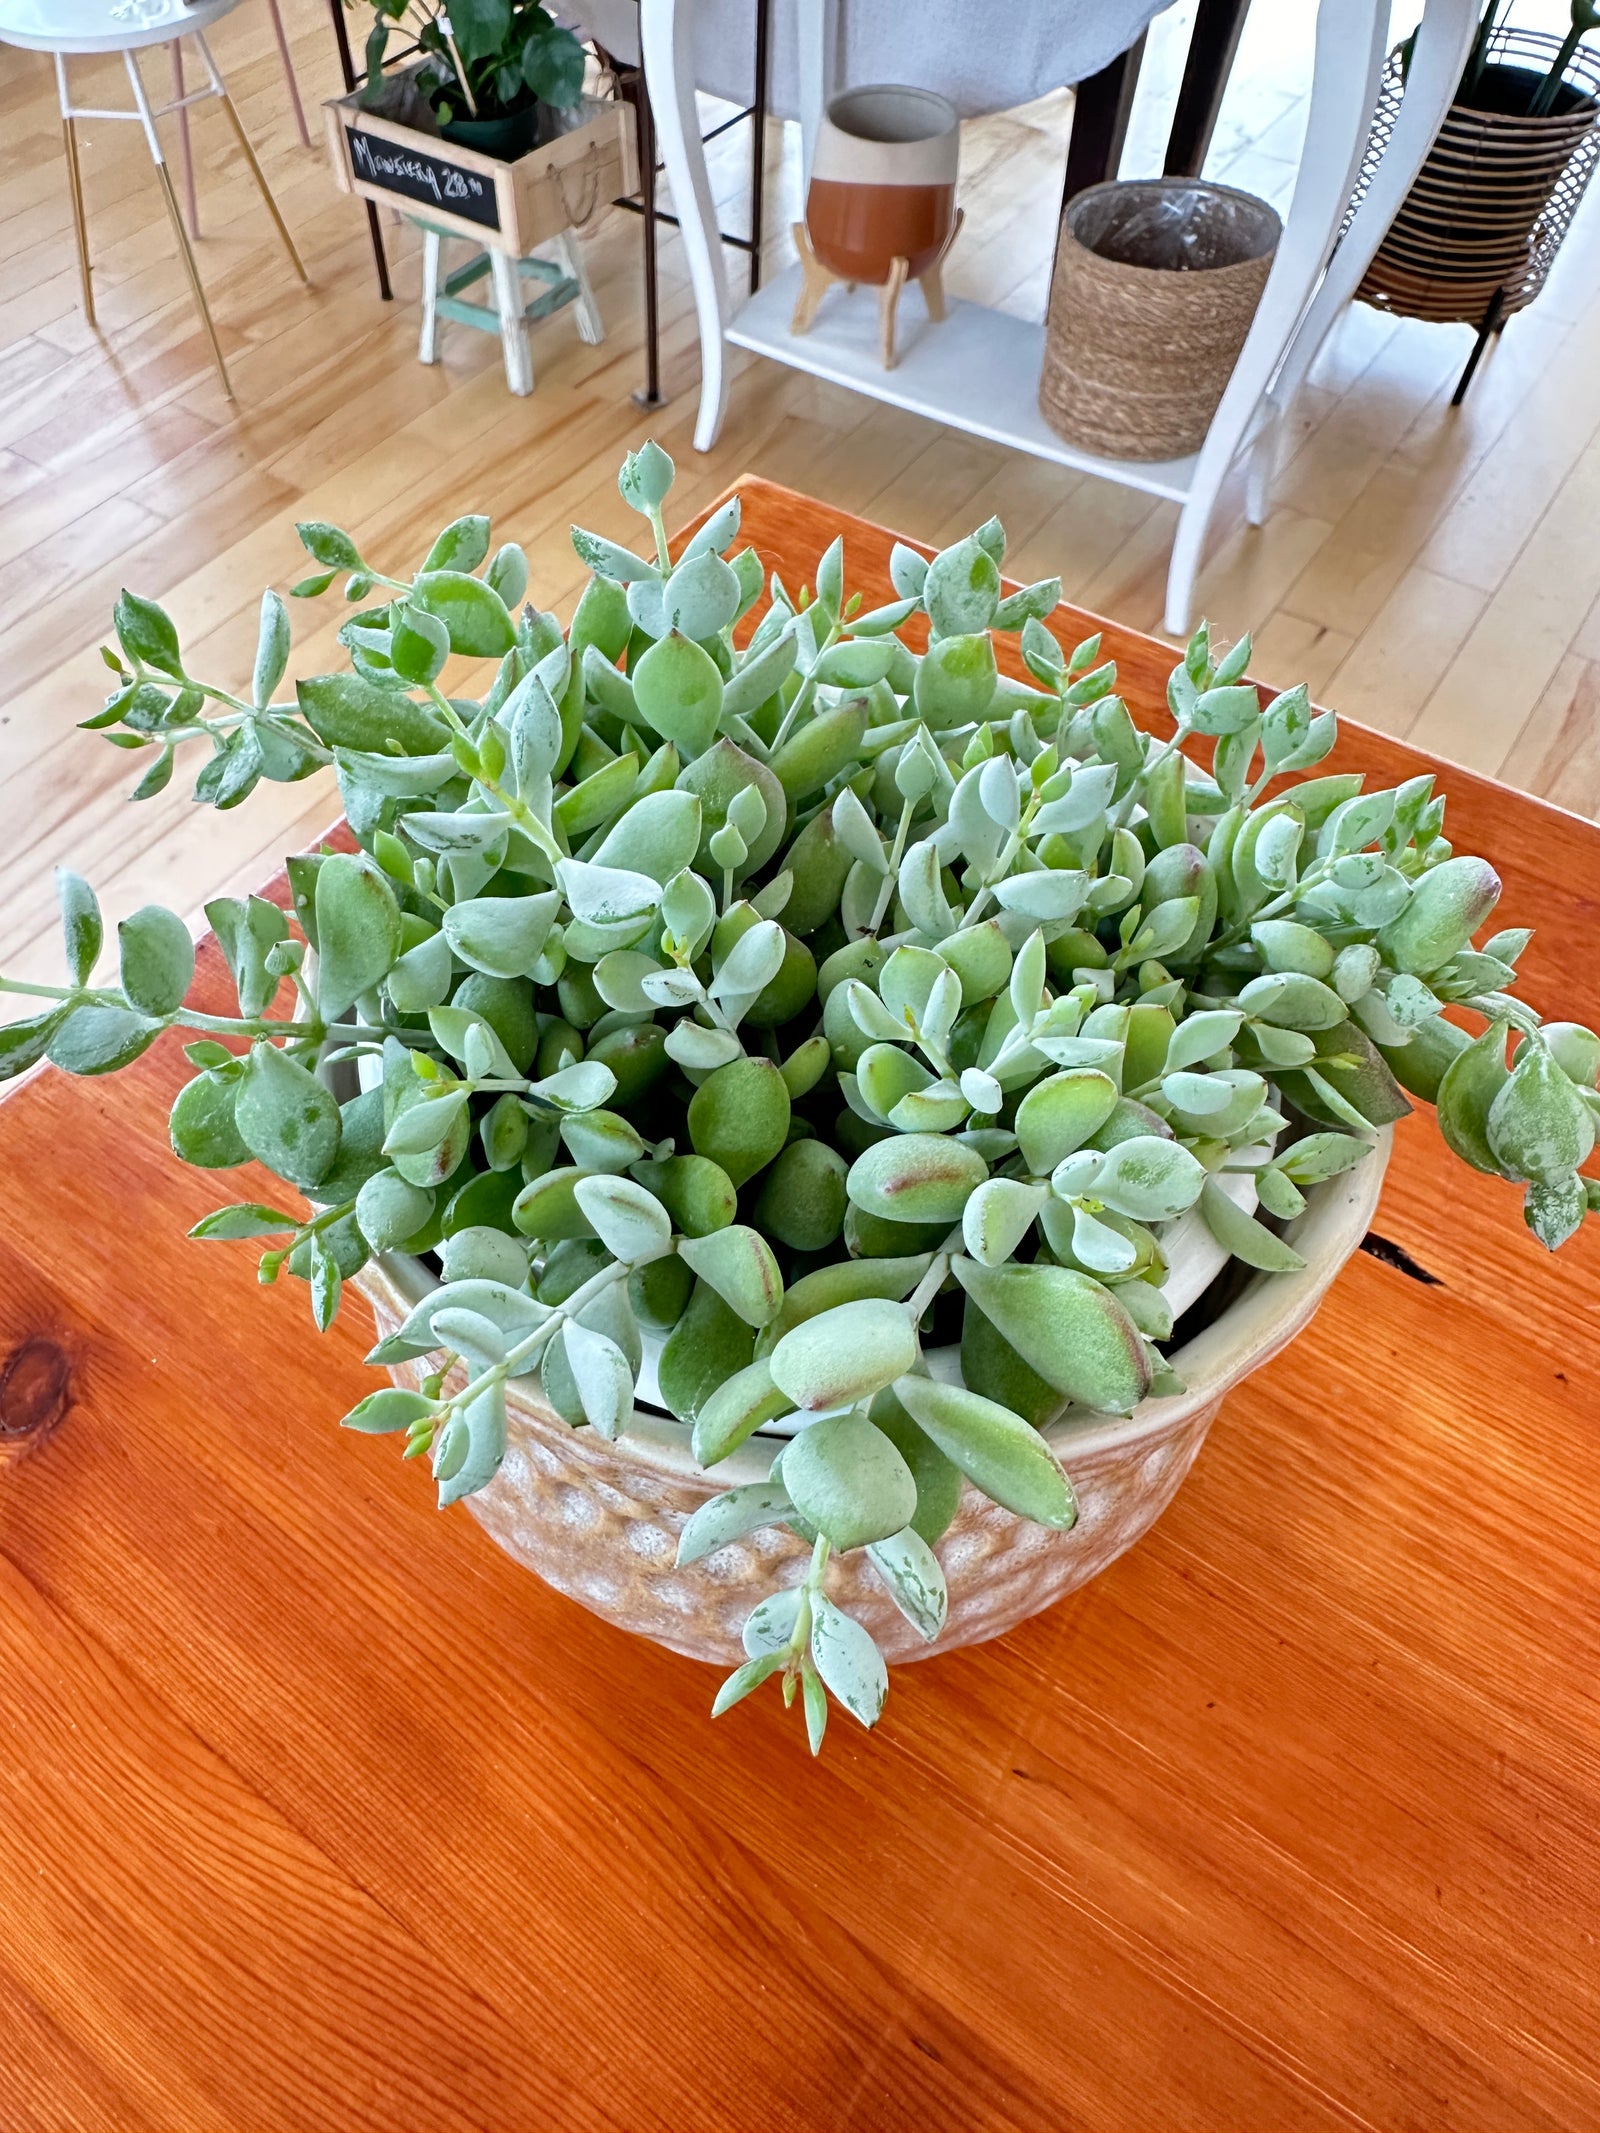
{"x": 1155, "y": 285}
{"x": 600, "y": 1521}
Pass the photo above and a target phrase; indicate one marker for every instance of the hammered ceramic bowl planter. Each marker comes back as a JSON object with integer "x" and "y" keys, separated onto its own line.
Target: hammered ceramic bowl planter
{"x": 600, "y": 1521}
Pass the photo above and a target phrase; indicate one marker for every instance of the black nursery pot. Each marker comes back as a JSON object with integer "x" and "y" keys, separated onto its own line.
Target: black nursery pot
{"x": 1507, "y": 92}
{"x": 505, "y": 138}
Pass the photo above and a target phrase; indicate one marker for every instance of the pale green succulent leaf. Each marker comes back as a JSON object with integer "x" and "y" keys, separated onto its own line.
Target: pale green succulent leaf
{"x": 998, "y": 1452}
{"x": 848, "y": 1662}
{"x": 629, "y": 1221}
{"x": 729, "y": 1517}
{"x": 844, "y": 1354}
{"x": 916, "y": 1583}
{"x": 1241, "y": 1235}
{"x": 847, "y": 1481}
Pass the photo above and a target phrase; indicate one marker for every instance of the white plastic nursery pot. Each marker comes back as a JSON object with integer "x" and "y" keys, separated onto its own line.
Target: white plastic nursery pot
{"x": 600, "y": 1521}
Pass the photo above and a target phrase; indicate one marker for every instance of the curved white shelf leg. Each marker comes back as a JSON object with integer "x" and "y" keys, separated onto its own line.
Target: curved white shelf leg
{"x": 1263, "y": 466}
{"x": 1336, "y": 129}
{"x": 1268, "y": 446}
{"x": 666, "y": 36}
{"x": 1443, "y": 39}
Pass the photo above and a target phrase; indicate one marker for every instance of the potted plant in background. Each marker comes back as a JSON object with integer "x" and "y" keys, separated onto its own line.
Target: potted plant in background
{"x": 1479, "y": 230}
{"x": 496, "y": 74}
{"x": 908, "y": 1091}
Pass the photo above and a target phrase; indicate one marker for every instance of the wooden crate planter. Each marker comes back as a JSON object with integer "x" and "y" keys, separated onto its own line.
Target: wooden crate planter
{"x": 510, "y": 207}
{"x": 505, "y": 208}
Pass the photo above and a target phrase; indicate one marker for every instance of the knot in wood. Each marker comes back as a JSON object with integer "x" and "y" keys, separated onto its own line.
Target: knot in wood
{"x": 35, "y": 1391}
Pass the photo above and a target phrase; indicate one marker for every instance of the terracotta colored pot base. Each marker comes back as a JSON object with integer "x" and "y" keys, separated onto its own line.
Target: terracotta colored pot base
{"x": 858, "y": 231}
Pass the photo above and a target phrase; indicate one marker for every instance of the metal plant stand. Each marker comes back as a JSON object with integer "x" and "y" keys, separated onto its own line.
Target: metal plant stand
{"x": 1476, "y": 235}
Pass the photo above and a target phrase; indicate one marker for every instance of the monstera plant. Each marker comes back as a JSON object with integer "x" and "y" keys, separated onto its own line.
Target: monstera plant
{"x": 769, "y": 1013}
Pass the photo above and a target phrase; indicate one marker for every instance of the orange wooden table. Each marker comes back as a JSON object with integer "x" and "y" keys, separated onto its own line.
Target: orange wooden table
{"x": 316, "y": 1812}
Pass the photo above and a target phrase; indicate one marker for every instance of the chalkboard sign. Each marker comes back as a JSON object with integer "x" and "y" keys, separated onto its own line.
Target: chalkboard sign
{"x": 416, "y": 175}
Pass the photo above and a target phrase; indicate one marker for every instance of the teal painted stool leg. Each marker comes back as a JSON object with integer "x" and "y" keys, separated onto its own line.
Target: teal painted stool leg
{"x": 559, "y": 285}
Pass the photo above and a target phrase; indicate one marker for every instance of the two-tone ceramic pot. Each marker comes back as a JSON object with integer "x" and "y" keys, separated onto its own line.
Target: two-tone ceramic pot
{"x": 883, "y": 183}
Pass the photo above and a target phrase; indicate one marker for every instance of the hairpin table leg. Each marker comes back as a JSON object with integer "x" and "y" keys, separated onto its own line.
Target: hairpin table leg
{"x": 153, "y": 141}
{"x": 288, "y": 73}
{"x": 220, "y": 89}
{"x": 190, "y": 203}
{"x": 80, "y": 226}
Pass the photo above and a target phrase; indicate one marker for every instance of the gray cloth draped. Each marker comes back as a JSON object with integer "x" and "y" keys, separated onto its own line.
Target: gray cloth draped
{"x": 984, "y": 55}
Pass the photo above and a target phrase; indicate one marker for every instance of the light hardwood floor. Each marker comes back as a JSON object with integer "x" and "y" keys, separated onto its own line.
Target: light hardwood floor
{"x": 1435, "y": 573}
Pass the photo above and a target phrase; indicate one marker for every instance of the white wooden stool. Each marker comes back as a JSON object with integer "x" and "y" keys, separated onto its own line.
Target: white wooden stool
{"x": 560, "y": 281}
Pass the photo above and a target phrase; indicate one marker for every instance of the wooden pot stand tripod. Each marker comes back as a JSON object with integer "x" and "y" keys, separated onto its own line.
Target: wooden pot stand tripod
{"x": 818, "y": 279}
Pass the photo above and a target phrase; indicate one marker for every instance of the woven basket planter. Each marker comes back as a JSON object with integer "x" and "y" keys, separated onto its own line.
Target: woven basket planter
{"x": 1156, "y": 282}
{"x": 1483, "y": 221}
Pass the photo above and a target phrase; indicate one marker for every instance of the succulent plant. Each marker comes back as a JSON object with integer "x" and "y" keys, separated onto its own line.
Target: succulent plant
{"x": 792, "y": 1007}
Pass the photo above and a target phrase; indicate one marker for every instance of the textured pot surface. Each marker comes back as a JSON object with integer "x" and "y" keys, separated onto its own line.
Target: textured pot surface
{"x": 600, "y": 1521}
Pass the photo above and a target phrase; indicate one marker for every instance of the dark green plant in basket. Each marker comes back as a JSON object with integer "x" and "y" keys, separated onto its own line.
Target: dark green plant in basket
{"x": 487, "y": 59}
{"x": 766, "y": 1013}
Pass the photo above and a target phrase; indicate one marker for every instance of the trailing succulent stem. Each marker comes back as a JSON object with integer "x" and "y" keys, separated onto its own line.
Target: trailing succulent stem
{"x": 791, "y": 1005}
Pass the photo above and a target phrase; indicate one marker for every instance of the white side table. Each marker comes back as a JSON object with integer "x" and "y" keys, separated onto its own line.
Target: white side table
{"x": 68, "y": 27}
{"x": 979, "y": 371}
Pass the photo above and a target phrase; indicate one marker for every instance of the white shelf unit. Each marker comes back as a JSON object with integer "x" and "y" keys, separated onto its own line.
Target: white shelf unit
{"x": 979, "y": 371}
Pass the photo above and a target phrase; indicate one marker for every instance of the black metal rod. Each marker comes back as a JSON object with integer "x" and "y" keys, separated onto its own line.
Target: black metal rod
{"x": 380, "y": 258}
{"x": 636, "y": 89}
{"x": 645, "y": 120}
{"x": 1100, "y": 110}
{"x": 1493, "y": 320}
{"x": 636, "y": 207}
{"x": 758, "y": 142}
{"x": 726, "y": 125}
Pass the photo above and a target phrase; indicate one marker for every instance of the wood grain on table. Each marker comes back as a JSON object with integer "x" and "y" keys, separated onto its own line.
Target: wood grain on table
{"x": 318, "y": 1813}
